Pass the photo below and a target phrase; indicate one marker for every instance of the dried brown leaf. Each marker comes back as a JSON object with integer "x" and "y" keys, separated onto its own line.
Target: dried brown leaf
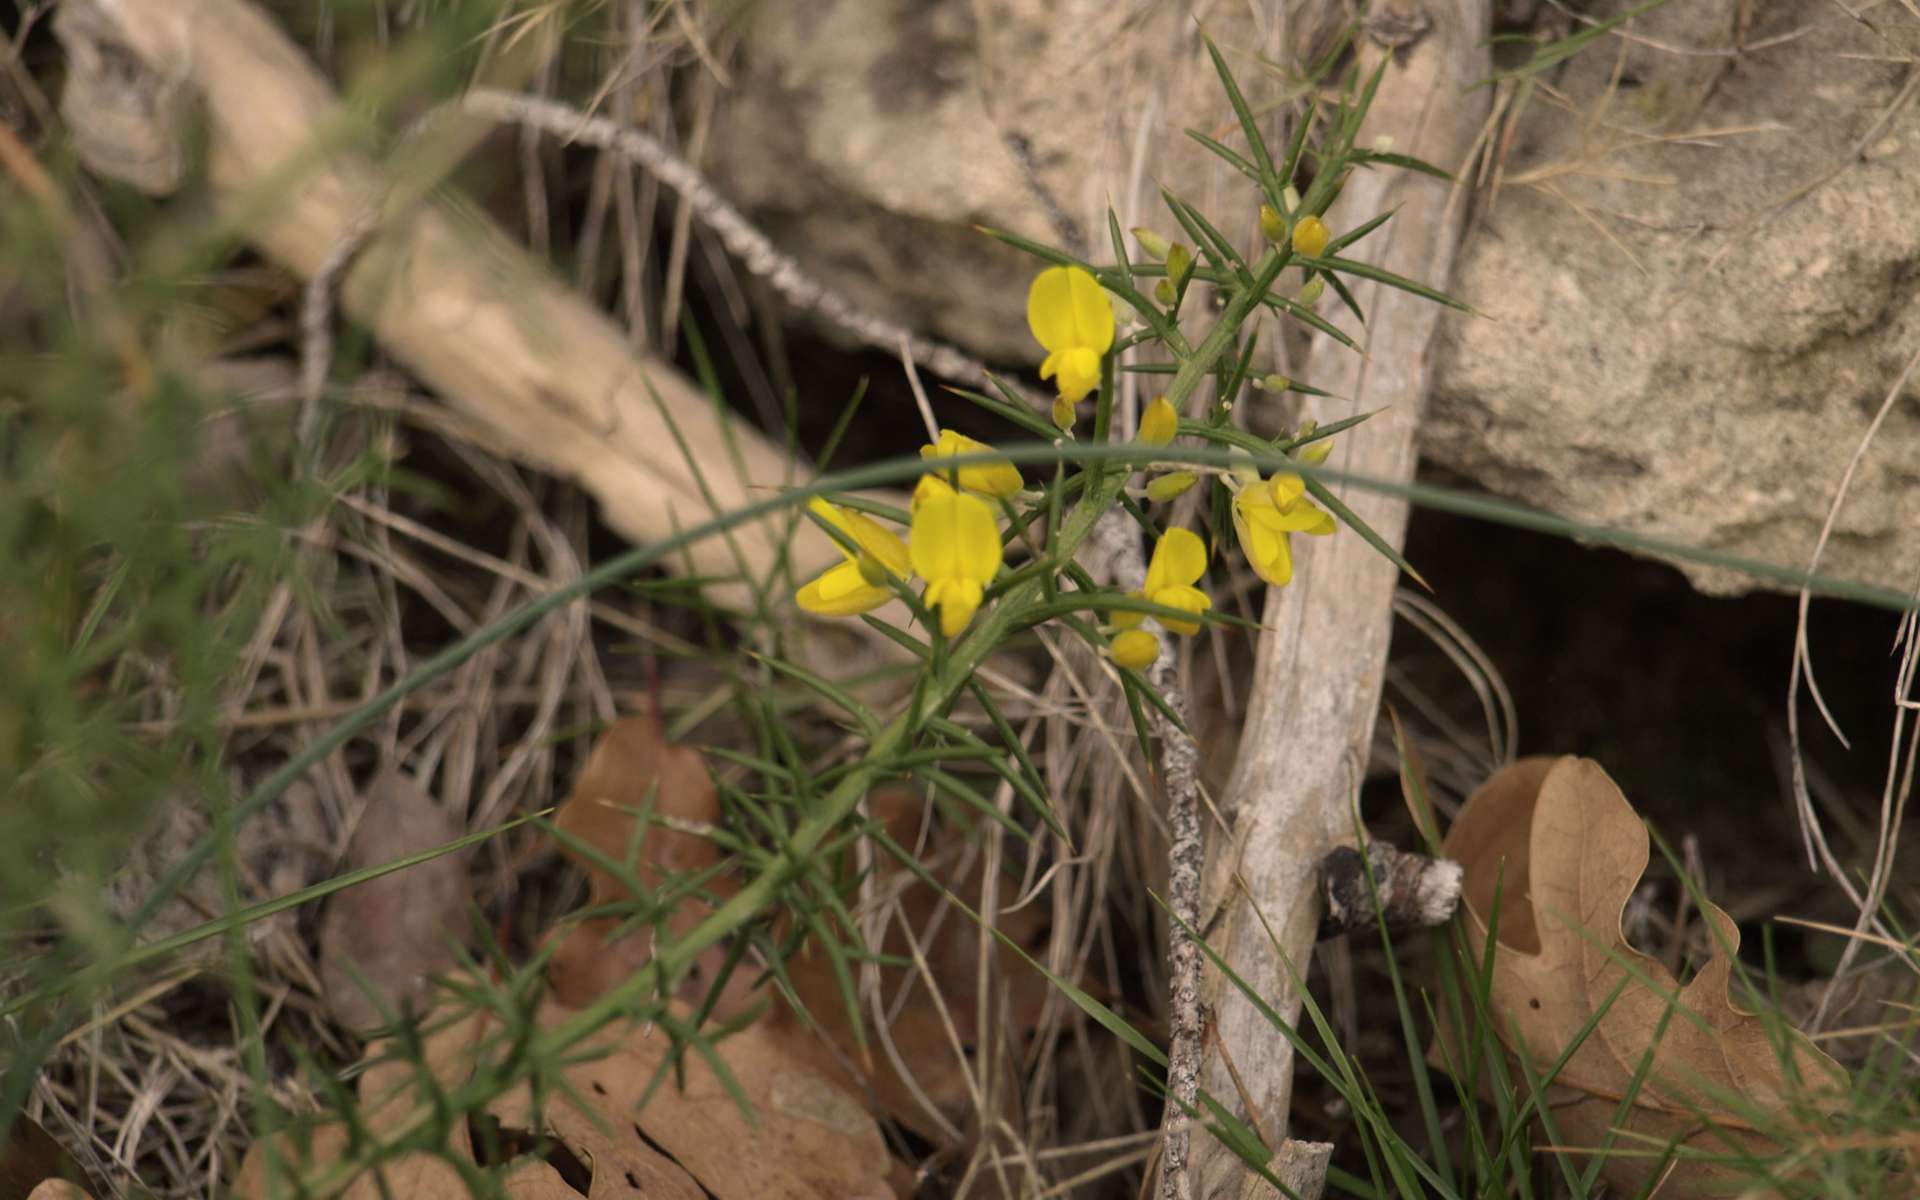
{"x": 387, "y": 937}
{"x": 33, "y": 1161}
{"x": 807, "y": 1138}
{"x": 1566, "y": 850}
{"x": 633, "y": 770}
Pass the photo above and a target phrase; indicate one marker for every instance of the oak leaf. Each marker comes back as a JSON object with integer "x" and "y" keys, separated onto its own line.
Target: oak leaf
{"x": 634, "y": 771}
{"x": 1564, "y": 850}
{"x": 593, "y": 1137}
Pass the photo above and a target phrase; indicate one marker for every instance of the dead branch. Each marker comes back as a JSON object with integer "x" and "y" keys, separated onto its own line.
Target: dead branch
{"x": 527, "y": 368}
{"x": 1318, "y": 678}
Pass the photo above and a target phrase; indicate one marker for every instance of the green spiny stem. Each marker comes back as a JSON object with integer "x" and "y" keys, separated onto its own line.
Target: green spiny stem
{"x": 638, "y": 990}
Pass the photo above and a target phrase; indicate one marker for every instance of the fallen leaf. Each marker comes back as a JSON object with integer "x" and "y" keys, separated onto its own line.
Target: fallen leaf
{"x": 634, "y": 769}
{"x": 382, "y": 941}
{"x": 806, "y": 1138}
{"x": 33, "y": 1162}
{"x": 1566, "y": 850}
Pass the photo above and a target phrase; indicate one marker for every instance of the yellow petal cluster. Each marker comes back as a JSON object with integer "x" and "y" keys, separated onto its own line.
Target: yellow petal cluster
{"x": 1072, "y": 319}
{"x": 847, "y": 590}
{"x": 1179, "y": 559}
{"x": 1135, "y": 649}
{"x": 955, "y": 547}
{"x": 1265, "y": 514}
{"x": 989, "y": 478}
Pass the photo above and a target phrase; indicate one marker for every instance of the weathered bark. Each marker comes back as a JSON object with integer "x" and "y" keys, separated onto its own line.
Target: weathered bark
{"x": 1318, "y": 678}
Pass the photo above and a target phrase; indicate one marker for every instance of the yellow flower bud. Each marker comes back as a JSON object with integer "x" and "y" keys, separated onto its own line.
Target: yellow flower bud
{"x": 1172, "y": 484}
{"x": 1273, "y": 226}
{"x": 1135, "y": 649}
{"x": 1310, "y": 294}
{"x": 1313, "y": 452}
{"x": 1063, "y": 414}
{"x": 1159, "y": 423}
{"x": 1290, "y": 198}
{"x": 1310, "y": 236}
{"x": 1163, "y": 291}
{"x": 1273, "y": 383}
{"x": 1179, "y": 263}
{"x": 1155, "y": 245}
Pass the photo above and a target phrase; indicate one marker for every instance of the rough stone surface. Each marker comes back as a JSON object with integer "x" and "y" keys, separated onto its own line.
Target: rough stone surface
{"x": 1670, "y": 345}
{"x": 1674, "y": 343}
{"x": 869, "y": 137}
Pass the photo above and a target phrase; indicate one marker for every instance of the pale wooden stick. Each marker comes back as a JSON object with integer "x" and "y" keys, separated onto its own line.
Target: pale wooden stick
{"x": 1322, "y": 656}
{"x": 530, "y": 369}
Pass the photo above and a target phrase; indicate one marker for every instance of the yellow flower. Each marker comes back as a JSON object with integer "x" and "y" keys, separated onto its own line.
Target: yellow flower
{"x": 956, "y": 547}
{"x": 1310, "y": 236}
{"x": 1072, "y": 318}
{"x": 1264, "y": 526}
{"x": 1159, "y": 423}
{"x": 1135, "y": 649}
{"x": 847, "y": 590}
{"x": 1172, "y": 484}
{"x": 989, "y": 479}
{"x": 1179, "y": 559}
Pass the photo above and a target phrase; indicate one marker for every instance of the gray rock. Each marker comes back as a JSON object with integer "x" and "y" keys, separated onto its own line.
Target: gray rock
{"x": 1674, "y": 343}
{"x": 1669, "y": 344}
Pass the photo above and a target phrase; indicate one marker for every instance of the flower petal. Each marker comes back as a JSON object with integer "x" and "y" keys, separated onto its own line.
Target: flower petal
{"x": 1191, "y": 599}
{"x": 1067, "y": 309}
{"x": 1266, "y": 546}
{"x": 841, "y": 592}
{"x": 871, "y": 536}
{"x": 1180, "y": 557}
{"x": 1159, "y": 423}
{"x": 991, "y": 478}
{"x": 1078, "y": 374}
{"x": 957, "y": 599}
{"x": 934, "y": 545}
{"x": 1136, "y": 649}
{"x": 979, "y": 538}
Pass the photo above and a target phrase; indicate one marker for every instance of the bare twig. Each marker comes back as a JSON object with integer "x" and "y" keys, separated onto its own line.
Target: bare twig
{"x": 755, "y": 249}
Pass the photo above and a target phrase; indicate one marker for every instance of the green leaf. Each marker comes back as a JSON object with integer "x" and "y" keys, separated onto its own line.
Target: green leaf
{"x": 1248, "y": 125}
{"x": 1349, "y": 518}
{"x": 1378, "y": 275}
{"x": 1232, "y": 159}
{"x": 1357, "y": 232}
